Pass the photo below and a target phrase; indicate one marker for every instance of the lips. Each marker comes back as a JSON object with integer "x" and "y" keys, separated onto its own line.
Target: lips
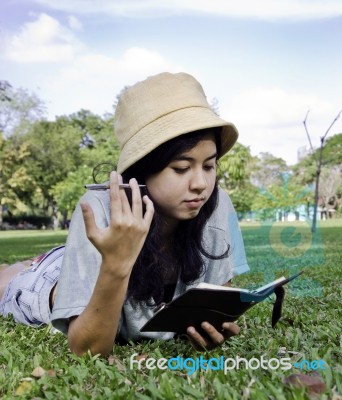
{"x": 196, "y": 199}
{"x": 195, "y": 203}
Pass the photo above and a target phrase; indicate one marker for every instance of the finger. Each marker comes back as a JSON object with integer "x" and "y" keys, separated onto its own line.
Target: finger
{"x": 230, "y": 329}
{"x": 195, "y": 345}
{"x": 149, "y": 212}
{"x": 89, "y": 221}
{"x": 198, "y": 340}
{"x": 136, "y": 198}
{"x": 215, "y": 336}
{"x": 125, "y": 204}
{"x": 115, "y": 197}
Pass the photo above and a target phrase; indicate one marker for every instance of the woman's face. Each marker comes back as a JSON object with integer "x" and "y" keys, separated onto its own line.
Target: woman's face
{"x": 181, "y": 189}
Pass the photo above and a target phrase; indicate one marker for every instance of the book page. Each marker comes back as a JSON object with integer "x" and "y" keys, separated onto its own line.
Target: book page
{"x": 268, "y": 285}
{"x": 204, "y": 285}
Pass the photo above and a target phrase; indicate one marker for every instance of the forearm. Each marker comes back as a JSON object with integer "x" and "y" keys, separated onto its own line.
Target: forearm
{"x": 96, "y": 328}
{"x": 119, "y": 244}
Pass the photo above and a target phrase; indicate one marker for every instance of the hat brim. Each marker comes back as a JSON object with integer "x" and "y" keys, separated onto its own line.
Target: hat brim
{"x": 169, "y": 126}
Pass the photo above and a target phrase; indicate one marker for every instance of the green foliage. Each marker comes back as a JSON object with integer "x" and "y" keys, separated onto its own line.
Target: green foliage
{"x": 104, "y": 146}
{"x": 233, "y": 166}
{"x": 267, "y": 170}
{"x": 233, "y": 175}
{"x": 47, "y": 167}
{"x": 40, "y": 158}
{"x": 33, "y": 221}
{"x": 306, "y": 169}
{"x": 17, "y": 187}
{"x": 54, "y": 152}
{"x": 68, "y": 192}
{"x": 332, "y": 151}
{"x": 242, "y": 195}
{"x": 285, "y": 197}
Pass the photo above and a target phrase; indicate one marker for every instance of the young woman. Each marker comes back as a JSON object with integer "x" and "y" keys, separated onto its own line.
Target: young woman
{"x": 126, "y": 251}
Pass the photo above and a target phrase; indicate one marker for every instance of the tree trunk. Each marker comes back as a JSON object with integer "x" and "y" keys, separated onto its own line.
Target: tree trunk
{"x": 318, "y": 173}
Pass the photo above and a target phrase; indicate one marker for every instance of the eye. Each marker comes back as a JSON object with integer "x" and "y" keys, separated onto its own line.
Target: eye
{"x": 180, "y": 170}
{"x": 209, "y": 167}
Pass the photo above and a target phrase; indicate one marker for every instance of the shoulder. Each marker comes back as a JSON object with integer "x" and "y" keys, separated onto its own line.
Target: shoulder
{"x": 100, "y": 204}
{"x": 223, "y": 213}
{"x": 224, "y": 202}
{"x": 222, "y": 226}
{"x": 98, "y": 198}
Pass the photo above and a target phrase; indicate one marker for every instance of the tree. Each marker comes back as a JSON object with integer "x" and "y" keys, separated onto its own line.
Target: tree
{"x": 234, "y": 176}
{"x": 54, "y": 153}
{"x": 267, "y": 170}
{"x": 283, "y": 198}
{"x": 5, "y": 87}
{"x": 332, "y": 151}
{"x": 331, "y": 182}
{"x": 17, "y": 187}
{"x": 18, "y": 109}
{"x": 98, "y": 144}
{"x": 242, "y": 195}
{"x": 306, "y": 169}
{"x": 64, "y": 186}
{"x": 319, "y": 162}
{"x": 233, "y": 166}
{"x": 67, "y": 193}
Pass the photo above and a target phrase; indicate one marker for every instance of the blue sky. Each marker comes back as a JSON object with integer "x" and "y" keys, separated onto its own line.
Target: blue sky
{"x": 265, "y": 61}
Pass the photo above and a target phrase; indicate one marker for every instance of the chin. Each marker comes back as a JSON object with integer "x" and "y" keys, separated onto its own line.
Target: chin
{"x": 190, "y": 215}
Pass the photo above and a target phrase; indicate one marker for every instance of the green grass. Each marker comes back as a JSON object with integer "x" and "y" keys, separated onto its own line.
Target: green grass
{"x": 310, "y": 329}
{"x": 20, "y": 245}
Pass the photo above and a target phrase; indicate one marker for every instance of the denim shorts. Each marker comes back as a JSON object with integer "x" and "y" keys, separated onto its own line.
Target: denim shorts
{"x": 27, "y": 296}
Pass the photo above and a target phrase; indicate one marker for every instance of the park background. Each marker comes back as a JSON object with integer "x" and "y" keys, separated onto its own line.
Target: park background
{"x": 266, "y": 67}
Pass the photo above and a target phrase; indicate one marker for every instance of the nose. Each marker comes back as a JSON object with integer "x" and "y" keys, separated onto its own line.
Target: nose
{"x": 198, "y": 181}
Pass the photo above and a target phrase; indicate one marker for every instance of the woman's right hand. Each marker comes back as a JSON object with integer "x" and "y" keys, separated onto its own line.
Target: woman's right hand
{"x": 121, "y": 242}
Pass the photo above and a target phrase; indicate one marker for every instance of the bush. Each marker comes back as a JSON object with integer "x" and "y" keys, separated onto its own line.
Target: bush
{"x": 28, "y": 221}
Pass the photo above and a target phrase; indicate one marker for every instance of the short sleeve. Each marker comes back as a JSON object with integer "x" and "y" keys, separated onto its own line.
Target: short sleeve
{"x": 222, "y": 235}
{"x": 81, "y": 263}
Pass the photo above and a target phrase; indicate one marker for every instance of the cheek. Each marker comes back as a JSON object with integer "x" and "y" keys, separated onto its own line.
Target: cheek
{"x": 158, "y": 194}
{"x": 161, "y": 186}
{"x": 157, "y": 189}
{"x": 211, "y": 182}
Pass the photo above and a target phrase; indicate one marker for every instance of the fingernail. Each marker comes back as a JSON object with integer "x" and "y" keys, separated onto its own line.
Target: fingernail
{"x": 83, "y": 207}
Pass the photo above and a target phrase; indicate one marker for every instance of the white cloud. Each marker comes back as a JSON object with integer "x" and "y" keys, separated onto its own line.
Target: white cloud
{"x": 269, "y": 9}
{"x": 92, "y": 81}
{"x": 74, "y": 23}
{"x": 43, "y": 40}
{"x": 271, "y": 120}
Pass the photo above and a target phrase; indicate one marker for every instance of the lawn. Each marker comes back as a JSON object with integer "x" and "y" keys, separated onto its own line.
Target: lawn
{"x": 308, "y": 335}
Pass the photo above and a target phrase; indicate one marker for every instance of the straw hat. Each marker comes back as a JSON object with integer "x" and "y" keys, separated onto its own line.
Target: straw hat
{"x": 160, "y": 108}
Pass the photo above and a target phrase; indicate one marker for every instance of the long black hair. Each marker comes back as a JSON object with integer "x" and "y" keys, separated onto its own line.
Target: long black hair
{"x": 185, "y": 260}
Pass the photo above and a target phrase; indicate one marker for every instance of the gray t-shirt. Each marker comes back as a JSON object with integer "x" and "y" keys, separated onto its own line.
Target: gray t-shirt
{"x": 81, "y": 264}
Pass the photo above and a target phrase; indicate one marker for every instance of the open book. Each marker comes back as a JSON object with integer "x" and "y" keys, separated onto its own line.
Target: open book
{"x": 214, "y": 304}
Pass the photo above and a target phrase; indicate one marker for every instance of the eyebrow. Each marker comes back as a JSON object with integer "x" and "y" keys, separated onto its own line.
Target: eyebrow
{"x": 186, "y": 158}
